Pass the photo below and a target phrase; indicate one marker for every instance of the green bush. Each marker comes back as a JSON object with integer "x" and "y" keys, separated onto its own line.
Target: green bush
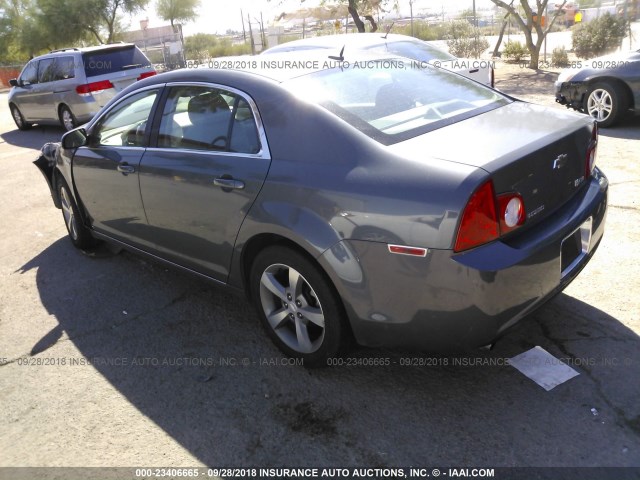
{"x": 599, "y": 36}
{"x": 514, "y": 51}
{"x": 421, "y": 30}
{"x": 559, "y": 57}
{"x": 464, "y": 40}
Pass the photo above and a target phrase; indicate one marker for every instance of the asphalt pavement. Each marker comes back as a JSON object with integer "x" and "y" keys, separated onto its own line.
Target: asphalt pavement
{"x": 110, "y": 360}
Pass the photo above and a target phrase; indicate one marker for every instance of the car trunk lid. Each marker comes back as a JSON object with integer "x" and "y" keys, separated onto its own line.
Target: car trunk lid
{"x": 527, "y": 149}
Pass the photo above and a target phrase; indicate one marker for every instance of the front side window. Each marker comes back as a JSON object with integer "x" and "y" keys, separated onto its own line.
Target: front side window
{"x": 207, "y": 118}
{"x": 29, "y": 75}
{"x": 125, "y": 124}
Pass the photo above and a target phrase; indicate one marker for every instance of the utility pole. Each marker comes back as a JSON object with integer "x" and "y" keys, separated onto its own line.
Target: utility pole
{"x": 411, "y": 12}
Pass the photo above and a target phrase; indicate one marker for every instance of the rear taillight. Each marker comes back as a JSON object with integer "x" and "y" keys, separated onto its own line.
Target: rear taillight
{"x": 592, "y": 150}
{"x": 146, "y": 75}
{"x": 487, "y": 217}
{"x": 94, "y": 87}
{"x": 479, "y": 223}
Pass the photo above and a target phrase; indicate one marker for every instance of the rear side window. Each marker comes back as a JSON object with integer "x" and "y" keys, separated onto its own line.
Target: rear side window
{"x": 45, "y": 70}
{"x": 103, "y": 62}
{"x": 63, "y": 68}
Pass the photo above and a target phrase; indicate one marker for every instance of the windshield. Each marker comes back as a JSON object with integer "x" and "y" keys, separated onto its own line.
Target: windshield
{"x": 416, "y": 50}
{"x": 392, "y": 100}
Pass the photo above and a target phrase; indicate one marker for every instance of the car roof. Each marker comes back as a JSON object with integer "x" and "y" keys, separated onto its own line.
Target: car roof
{"x": 95, "y": 48}
{"x": 357, "y": 40}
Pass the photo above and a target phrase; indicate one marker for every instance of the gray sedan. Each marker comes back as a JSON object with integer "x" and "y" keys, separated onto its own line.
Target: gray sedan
{"x": 350, "y": 198}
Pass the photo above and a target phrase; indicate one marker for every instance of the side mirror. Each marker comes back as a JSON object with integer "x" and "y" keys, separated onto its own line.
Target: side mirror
{"x": 74, "y": 138}
{"x": 13, "y": 82}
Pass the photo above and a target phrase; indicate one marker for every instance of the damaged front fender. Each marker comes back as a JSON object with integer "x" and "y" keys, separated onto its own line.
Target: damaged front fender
{"x": 46, "y": 163}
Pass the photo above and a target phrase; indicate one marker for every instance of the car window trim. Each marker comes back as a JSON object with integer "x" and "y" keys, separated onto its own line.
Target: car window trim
{"x": 152, "y": 114}
{"x": 264, "y": 151}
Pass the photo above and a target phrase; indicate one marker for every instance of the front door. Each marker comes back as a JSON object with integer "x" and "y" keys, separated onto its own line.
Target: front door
{"x": 106, "y": 170}
{"x": 200, "y": 181}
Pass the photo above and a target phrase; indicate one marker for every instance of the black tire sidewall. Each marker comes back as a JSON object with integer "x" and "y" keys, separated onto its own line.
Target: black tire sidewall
{"x": 85, "y": 240}
{"x": 25, "y": 125}
{"x": 335, "y": 334}
{"x": 64, "y": 108}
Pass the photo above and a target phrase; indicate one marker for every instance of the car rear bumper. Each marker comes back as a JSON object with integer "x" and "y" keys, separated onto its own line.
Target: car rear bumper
{"x": 571, "y": 94}
{"x": 455, "y": 302}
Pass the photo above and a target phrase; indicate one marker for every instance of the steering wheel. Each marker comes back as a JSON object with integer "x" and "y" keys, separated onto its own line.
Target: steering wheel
{"x": 222, "y": 138}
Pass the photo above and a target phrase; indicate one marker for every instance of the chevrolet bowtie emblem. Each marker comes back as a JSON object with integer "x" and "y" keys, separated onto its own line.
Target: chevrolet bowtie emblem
{"x": 560, "y": 162}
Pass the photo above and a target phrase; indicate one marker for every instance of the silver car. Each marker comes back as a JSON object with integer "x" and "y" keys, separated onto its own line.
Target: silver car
{"x": 71, "y": 85}
{"x": 394, "y": 44}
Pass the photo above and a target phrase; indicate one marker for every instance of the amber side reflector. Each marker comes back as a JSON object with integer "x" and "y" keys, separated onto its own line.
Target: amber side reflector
{"x": 404, "y": 250}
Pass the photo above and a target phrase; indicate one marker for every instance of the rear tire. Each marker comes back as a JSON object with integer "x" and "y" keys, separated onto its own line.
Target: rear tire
{"x": 79, "y": 234}
{"x": 18, "y": 118}
{"x": 298, "y": 306}
{"x": 67, "y": 118}
{"x": 606, "y": 103}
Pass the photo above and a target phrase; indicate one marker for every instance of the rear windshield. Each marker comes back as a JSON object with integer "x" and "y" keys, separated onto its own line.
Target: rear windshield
{"x": 102, "y": 62}
{"x": 396, "y": 99}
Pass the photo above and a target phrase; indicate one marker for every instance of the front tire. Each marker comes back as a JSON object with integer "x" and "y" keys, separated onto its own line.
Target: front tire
{"x": 18, "y": 118}
{"x": 78, "y": 233}
{"x": 606, "y": 103}
{"x": 298, "y": 306}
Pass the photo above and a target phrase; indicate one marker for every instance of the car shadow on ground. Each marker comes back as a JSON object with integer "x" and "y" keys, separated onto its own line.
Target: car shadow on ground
{"x": 628, "y": 128}
{"x": 34, "y": 137}
{"x": 209, "y": 377}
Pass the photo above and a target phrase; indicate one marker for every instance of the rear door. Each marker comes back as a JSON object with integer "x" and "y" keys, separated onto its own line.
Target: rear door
{"x": 105, "y": 172}
{"x": 210, "y": 161}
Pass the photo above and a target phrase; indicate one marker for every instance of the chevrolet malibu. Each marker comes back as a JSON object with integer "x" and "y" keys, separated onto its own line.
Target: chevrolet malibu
{"x": 349, "y": 198}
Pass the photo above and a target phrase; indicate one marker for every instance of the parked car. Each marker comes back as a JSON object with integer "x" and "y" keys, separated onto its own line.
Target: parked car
{"x": 394, "y": 44}
{"x": 71, "y": 85}
{"x": 607, "y": 88}
{"x": 401, "y": 207}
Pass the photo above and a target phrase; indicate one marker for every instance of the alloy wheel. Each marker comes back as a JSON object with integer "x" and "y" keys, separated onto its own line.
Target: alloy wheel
{"x": 600, "y": 104}
{"x": 292, "y": 308}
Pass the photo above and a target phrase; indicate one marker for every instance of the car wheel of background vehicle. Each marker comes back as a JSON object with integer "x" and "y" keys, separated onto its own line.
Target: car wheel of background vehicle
{"x": 67, "y": 118}
{"x": 606, "y": 103}
{"x": 79, "y": 234}
{"x": 298, "y": 306}
{"x": 18, "y": 118}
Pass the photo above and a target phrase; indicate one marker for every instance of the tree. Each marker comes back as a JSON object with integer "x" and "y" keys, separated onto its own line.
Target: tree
{"x": 599, "y": 36}
{"x": 74, "y": 19}
{"x": 177, "y": 10}
{"x": 528, "y": 21}
{"x": 464, "y": 40}
{"x": 369, "y": 7}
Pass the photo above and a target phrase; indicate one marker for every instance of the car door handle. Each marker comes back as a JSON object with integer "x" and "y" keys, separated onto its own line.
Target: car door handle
{"x": 228, "y": 183}
{"x": 125, "y": 168}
